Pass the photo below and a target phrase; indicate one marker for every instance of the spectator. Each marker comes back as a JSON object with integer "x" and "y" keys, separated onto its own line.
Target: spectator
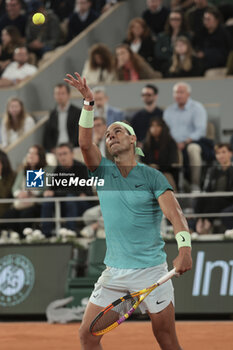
{"x": 14, "y": 16}
{"x": 35, "y": 160}
{"x": 161, "y": 151}
{"x": 103, "y": 109}
{"x": 11, "y": 39}
{"x": 184, "y": 63}
{"x": 175, "y": 27}
{"x": 19, "y": 70}
{"x": 218, "y": 179}
{"x": 62, "y": 126}
{"x": 194, "y": 16}
{"x": 67, "y": 166}
{"x": 141, "y": 120}
{"x": 99, "y": 68}
{"x": 16, "y": 122}
{"x": 45, "y": 37}
{"x": 131, "y": 66}
{"x": 81, "y": 18}
{"x": 139, "y": 39}
{"x": 213, "y": 43}
{"x": 7, "y": 178}
{"x": 155, "y": 16}
{"x": 99, "y": 130}
{"x": 187, "y": 120}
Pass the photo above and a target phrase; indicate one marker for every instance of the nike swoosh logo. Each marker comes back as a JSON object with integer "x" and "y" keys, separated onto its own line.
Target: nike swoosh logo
{"x": 95, "y": 295}
{"x": 139, "y": 185}
{"x": 160, "y": 302}
{"x": 115, "y": 176}
{"x": 183, "y": 239}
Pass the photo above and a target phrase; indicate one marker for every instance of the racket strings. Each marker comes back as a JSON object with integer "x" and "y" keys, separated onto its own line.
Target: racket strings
{"x": 114, "y": 314}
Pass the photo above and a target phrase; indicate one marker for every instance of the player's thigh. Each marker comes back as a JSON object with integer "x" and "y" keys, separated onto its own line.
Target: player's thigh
{"x": 91, "y": 312}
{"x": 163, "y": 324}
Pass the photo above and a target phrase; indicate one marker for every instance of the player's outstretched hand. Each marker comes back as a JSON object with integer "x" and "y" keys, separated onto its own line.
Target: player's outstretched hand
{"x": 183, "y": 262}
{"x": 81, "y": 85}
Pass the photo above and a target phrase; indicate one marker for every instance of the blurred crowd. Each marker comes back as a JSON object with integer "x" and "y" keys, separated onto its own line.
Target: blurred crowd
{"x": 184, "y": 40}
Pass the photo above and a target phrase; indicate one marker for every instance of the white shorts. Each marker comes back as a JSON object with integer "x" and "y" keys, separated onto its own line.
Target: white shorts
{"x": 115, "y": 283}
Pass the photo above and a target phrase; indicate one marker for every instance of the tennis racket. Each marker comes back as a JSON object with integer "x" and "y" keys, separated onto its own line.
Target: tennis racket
{"x": 121, "y": 309}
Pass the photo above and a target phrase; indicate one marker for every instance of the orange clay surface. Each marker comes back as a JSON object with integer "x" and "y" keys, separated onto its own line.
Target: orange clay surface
{"x": 130, "y": 336}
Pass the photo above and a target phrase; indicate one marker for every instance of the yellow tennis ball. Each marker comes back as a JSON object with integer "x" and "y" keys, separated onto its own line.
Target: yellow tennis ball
{"x": 38, "y": 18}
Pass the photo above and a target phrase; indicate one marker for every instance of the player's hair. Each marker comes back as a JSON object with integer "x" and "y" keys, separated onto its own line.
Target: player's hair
{"x": 152, "y": 87}
{"x": 10, "y": 123}
{"x": 66, "y": 144}
{"x": 137, "y": 20}
{"x": 42, "y": 158}
{"x": 6, "y": 165}
{"x": 221, "y": 145}
{"x": 106, "y": 55}
{"x": 61, "y": 85}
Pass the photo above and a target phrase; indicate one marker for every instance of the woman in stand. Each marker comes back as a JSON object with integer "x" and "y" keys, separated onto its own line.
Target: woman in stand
{"x": 99, "y": 68}
{"x": 184, "y": 62}
{"x": 161, "y": 151}
{"x": 11, "y": 39}
{"x": 139, "y": 39}
{"x": 132, "y": 67}
{"x": 16, "y": 121}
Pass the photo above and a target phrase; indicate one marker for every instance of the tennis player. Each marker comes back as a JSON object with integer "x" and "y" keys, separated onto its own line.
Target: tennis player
{"x": 133, "y": 200}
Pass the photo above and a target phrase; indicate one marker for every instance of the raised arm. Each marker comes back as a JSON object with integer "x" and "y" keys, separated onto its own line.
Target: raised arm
{"x": 90, "y": 151}
{"x": 172, "y": 210}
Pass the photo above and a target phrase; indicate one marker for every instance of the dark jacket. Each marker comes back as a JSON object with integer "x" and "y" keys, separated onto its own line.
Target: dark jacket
{"x": 146, "y": 50}
{"x": 76, "y": 26}
{"x": 195, "y": 71}
{"x": 141, "y": 121}
{"x": 52, "y": 129}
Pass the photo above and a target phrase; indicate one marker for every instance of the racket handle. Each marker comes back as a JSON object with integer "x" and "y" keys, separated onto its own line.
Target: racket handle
{"x": 167, "y": 277}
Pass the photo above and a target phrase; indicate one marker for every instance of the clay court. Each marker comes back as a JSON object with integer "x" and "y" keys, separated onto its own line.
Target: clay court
{"x": 130, "y": 336}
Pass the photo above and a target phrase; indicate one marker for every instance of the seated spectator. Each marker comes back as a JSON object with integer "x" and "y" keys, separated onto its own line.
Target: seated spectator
{"x": 99, "y": 67}
{"x": 67, "y": 165}
{"x": 82, "y": 16}
{"x": 7, "y": 178}
{"x": 218, "y": 179}
{"x": 131, "y": 66}
{"x": 155, "y": 16}
{"x": 19, "y": 70}
{"x": 175, "y": 27}
{"x": 16, "y": 122}
{"x": 35, "y": 160}
{"x": 141, "y": 120}
{"x": 62, "y": 126}
{"x": 161, "y": 151}
{"x": 103, "y": 109}
{"x": 139, "y": 39}
{"x": 187, "y": 120}
{"x": 11, "y": 39}
{"x": 45, "y": 37}
{"x": 184, "y": 63}
{"x": 194, "y": 16}
{"x": 213, "y": 43}
{"x": 13, "y": 16}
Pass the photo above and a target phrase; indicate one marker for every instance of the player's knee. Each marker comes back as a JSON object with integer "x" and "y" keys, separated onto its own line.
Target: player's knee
{"x": 86, "y": 337}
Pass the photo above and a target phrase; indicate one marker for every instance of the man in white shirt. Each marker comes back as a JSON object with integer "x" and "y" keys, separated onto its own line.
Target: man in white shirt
{"x": 19, "y": 69}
